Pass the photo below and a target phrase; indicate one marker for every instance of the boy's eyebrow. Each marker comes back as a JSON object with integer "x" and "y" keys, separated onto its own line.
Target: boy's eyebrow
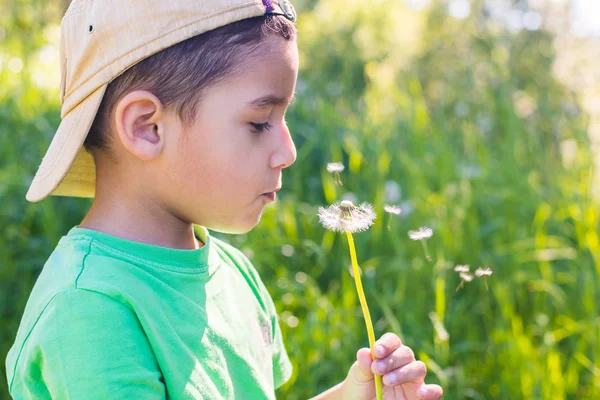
{"x": 271, "y": 100}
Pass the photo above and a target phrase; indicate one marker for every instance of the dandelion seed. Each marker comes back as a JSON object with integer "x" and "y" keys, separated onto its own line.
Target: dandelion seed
{"x": 346, "y": 217}
{"x": 483, "y": 272}
{"x": 392, "y": 210}
{"x": 461, "y": 268}
{"x": 464, "y": 278}
{"x": 421, "y": 235}
{"x": 336, "y": 168}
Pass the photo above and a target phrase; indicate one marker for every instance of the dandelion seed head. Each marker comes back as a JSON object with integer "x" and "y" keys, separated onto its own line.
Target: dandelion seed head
{"x": 461, "y": 268}
{"x": 422, "y": 233}
{"x": 483, "y": 272}
{"x": 335, "y": 167}
{"x": 392, "y": 209}
{"x": 466, "y": 277}
{"x": 345, "y": 216}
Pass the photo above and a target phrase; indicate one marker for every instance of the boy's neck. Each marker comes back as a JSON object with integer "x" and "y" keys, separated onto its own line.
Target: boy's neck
{"x": 143, "y": 223}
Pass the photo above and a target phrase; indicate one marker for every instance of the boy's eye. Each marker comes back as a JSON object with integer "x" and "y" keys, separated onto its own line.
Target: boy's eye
{"x": 261, "y": 127}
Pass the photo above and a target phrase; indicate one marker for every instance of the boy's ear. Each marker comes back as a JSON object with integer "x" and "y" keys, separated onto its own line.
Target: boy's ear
{"x": 139, "y": 123}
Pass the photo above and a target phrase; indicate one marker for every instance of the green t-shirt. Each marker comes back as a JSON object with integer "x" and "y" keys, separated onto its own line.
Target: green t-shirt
{"x": 110, "y": 318}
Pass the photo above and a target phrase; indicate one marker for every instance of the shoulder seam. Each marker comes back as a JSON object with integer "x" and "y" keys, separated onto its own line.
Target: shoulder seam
{"x": 89, "y": 243}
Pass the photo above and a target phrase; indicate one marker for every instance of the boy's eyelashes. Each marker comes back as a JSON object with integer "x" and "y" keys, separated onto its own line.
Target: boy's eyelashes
{"x": 261, "y": 127}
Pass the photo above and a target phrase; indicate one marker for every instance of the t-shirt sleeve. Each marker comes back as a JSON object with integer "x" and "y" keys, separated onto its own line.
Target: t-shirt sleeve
{"x": 87, "y": 345}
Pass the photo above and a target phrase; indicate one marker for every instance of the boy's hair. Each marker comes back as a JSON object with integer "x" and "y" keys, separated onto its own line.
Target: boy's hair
{"x": 179, "y": 74}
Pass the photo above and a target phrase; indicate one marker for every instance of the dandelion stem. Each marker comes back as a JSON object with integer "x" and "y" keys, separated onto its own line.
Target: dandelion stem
{"x": 427, "y": 256}
{"x": 365, "y": 308}
{"x": 339, "y": 178}
{"x": 459, "y": 286}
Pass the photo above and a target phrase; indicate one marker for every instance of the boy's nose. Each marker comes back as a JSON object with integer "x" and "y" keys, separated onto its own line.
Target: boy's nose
{"x": 284, "y": 154}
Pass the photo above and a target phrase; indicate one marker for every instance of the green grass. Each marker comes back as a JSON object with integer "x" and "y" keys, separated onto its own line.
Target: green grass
{"x": 492, "y": 183}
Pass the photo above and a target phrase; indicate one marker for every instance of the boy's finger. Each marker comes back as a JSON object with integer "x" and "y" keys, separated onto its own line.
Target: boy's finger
{"x": 363, "y": 356}
{"x": 415, "y": 371}
{"x": 430, "y": 392}
{"x": 360, "y": 371}
{"x": 401, "y": 356}
{"x": 387, "y": 344}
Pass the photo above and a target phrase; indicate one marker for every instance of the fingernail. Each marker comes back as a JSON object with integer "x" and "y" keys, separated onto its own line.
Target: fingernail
{"x": 423, "y": 392}
{"x": 379, "y": 350}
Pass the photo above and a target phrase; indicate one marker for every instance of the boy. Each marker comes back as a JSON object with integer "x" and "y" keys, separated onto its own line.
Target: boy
{"x": 173, "y": 115}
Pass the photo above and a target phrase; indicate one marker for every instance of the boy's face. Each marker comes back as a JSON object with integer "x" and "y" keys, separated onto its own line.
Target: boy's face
{"x": 223, "y": 170}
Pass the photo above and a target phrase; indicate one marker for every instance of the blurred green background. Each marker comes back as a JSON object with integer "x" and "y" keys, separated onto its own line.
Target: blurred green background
{"x": 479, "y": 118}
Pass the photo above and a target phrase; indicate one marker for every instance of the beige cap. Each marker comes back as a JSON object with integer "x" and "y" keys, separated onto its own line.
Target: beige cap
{"x": 99, "y": 41}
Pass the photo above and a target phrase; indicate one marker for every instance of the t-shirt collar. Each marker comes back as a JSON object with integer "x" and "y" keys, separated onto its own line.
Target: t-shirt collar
{"x": 195, "y": 258}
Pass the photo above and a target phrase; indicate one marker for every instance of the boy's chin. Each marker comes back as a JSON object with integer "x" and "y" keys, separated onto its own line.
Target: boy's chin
{"x": 238, "y": 228}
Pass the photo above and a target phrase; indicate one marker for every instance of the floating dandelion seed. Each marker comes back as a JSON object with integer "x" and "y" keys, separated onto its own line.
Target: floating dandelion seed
{"x": 346, "y": 217}
{"x": 483, "y": 272}
{"x": 336, "y": 168}
{"x": 421, "y": 235}
{"x": 461, "y": 268}
{"x": 392, "y": 210}
{"x": 465, "y": 278}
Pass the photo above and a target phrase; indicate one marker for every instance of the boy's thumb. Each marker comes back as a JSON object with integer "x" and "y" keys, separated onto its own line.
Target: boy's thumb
{"x": 361, "y": 370}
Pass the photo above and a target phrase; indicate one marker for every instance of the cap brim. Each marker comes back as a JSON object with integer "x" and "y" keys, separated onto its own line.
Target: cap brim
{"x": 67, "y": 169}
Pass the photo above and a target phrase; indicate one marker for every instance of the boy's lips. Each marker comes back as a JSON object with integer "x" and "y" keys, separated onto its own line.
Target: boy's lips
{"x": 272, "y": 194}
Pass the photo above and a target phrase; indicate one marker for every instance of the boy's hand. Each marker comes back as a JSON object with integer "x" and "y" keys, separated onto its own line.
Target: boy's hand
{"x": 403, "y": 378}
